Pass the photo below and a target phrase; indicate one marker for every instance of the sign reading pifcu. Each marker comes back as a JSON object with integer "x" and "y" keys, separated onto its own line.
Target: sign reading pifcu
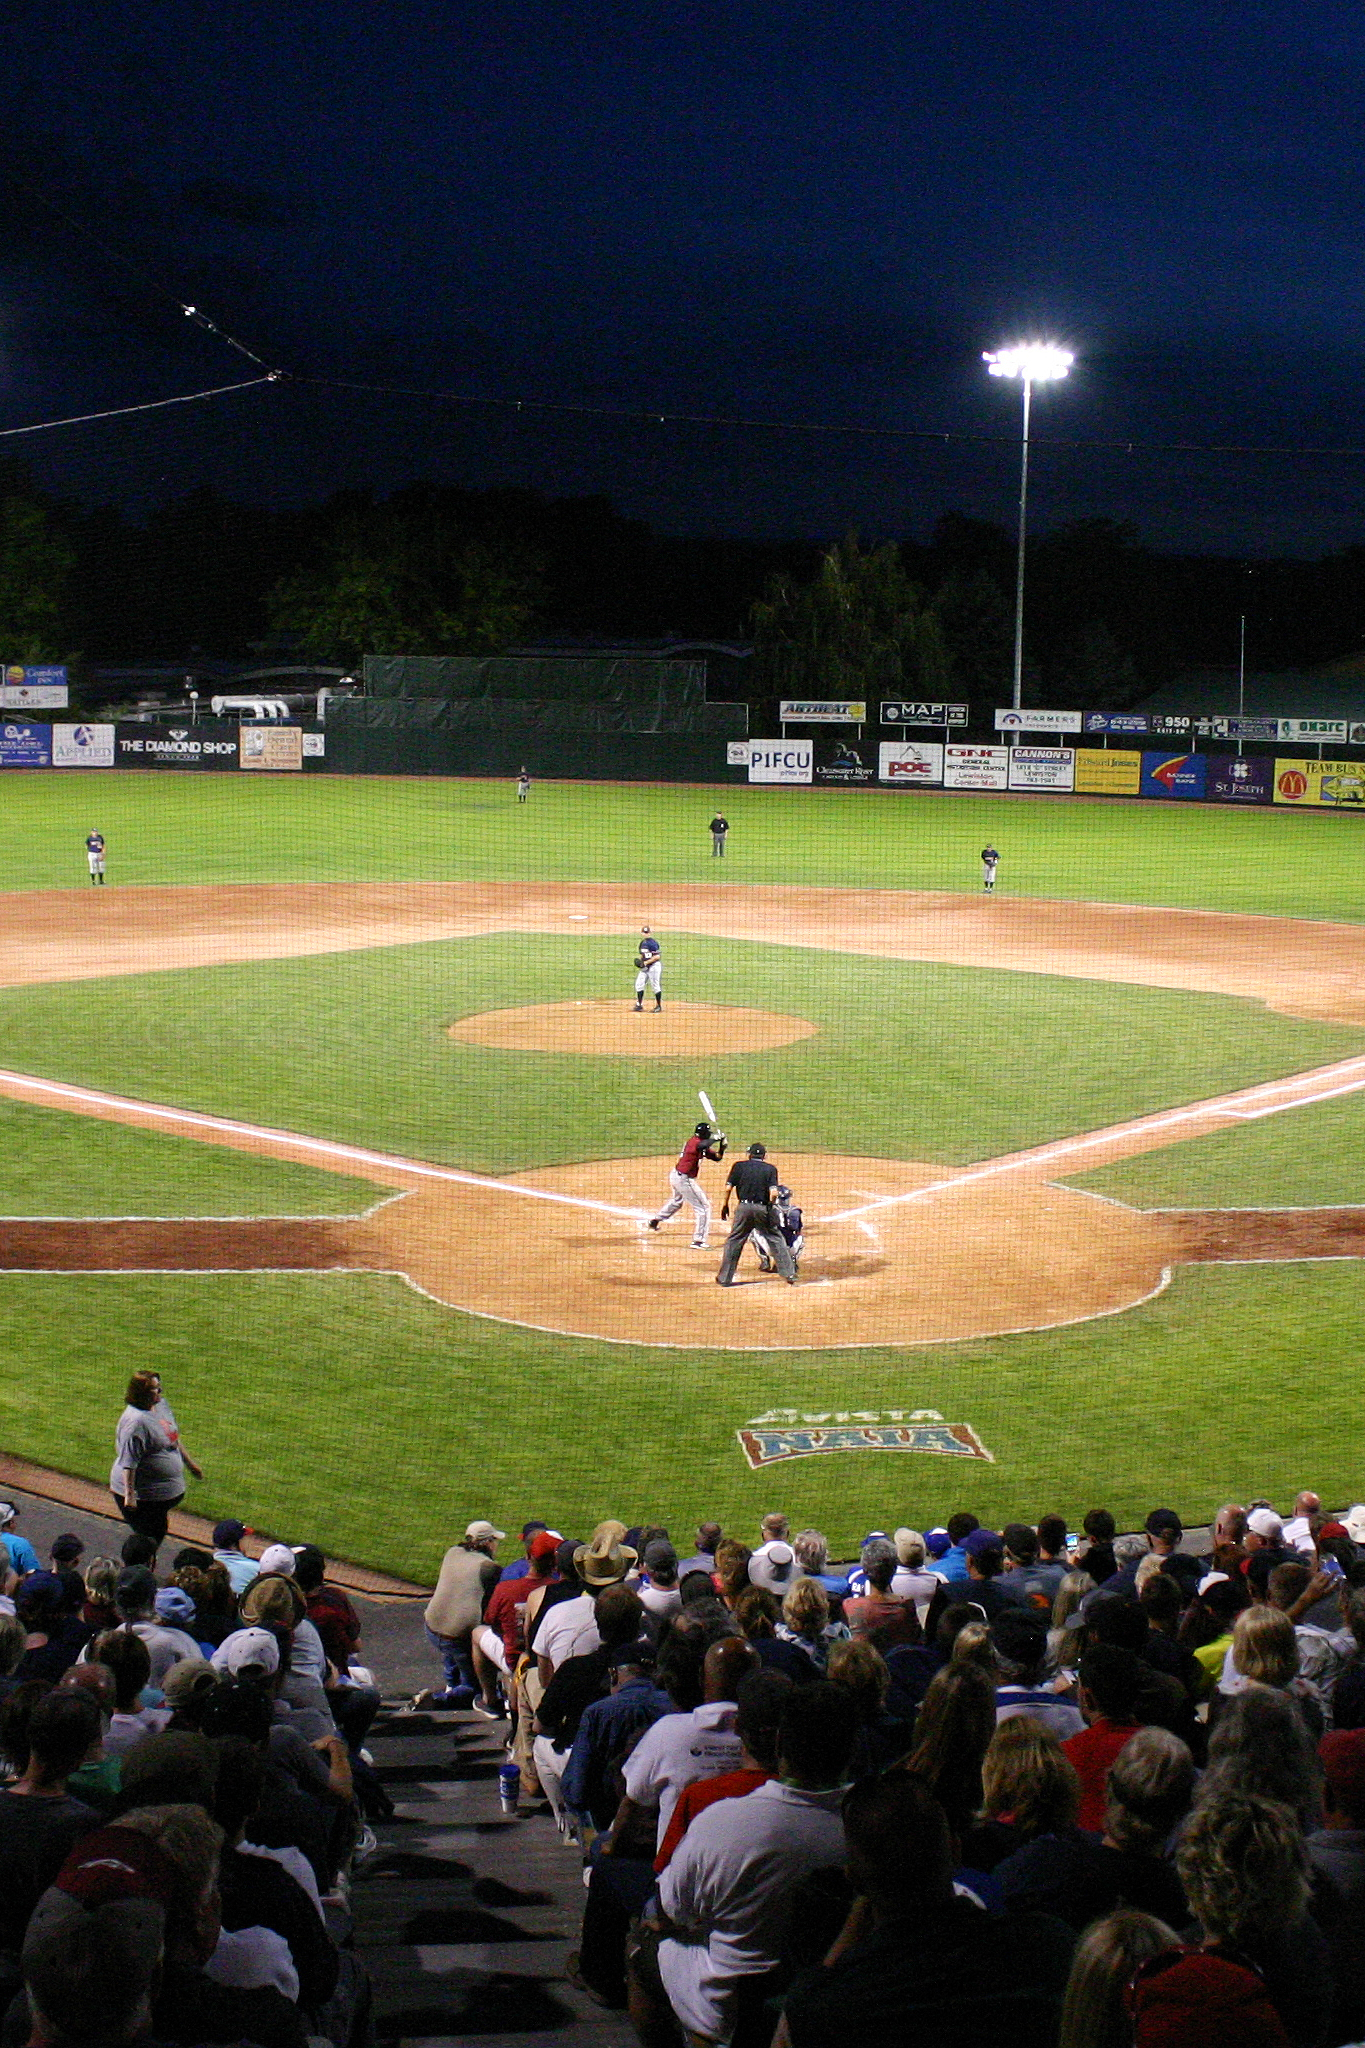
{"x": 781, "y": 760}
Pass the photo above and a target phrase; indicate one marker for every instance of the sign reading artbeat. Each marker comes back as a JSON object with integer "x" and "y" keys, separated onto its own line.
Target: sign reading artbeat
{"x": 783, "y": 1433}
{"x": 907, "y": 765}
{"x": 901, "y": 712}
{"x": 781, "y": 760}
{"x": 976, "y": 767}
{"x": 823, "y": 711}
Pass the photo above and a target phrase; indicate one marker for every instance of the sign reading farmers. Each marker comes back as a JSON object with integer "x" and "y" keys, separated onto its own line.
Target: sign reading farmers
{"x": 1037, "y": 721}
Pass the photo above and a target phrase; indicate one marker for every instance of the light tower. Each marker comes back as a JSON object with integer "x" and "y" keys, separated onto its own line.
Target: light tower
{"x": 1035, "y": 362}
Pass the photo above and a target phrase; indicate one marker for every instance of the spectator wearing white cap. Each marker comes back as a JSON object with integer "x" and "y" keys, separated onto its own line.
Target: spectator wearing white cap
{"x": 773, "y": 1566}
{"x": 467, "y": 1577}
{"x": 22, "y": 1557}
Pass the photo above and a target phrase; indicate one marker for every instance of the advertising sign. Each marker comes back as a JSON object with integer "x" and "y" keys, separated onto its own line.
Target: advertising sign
{"x": 315, "y": 745}
{"x": 1042, "y": 767}
{"x": 33, "y": 689}
{"x": 781, "y": 760}
{"x": 736, "y": 753}
{"x": 1037, "y": 721}
{"x": 1116, "y": 721}
{"x": 906, "y": 764}
{"x": 823, "y": 711}
{"x": 838, "y": 761}
{"x": 1233, "y": 780}
{"x": 1302, "y": 729}
{"x": 1243, "y": 728}
{"x": 23, "y": 745}
{"x": 1173, "y": 775}
{"x": 1320, "y": 782}
{"x": 976, "y": 767}
{"x": 210, "y": 744}
{"x": 273, "y": 747}
{"x": 901, "y": 713}
{"x": 1112, "y": 772}
{"x": 82, "y": 746}
{"x": 1356, "y": 737}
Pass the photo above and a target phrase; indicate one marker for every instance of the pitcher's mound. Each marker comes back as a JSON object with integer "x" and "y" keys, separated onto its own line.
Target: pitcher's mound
{"x": 608, "y": 1027}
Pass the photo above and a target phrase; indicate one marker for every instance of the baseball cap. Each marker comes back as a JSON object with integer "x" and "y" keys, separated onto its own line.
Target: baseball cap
{"x": 982, "y": 1540}
{"x": 543, "y": 1544}
{"x": 174, "y": 1604}
{"x": 277, "y": 1557}
{"x": 177, "y": 1767}
{"x": 483, "y": 1532}
{"x": 1164, "y": 1522}
{"x": 1265, "y": 1522}
{"x": 874, "y": 1536}
{"x": 248, "y": 1653}
{"x": 1019, "y": 1633}
{"x": 8, "y": 1511}
{"x": 937, "y": 1542}
{"x": 116, "y": 1863}
{"x": 190, "y": 1676}
{"x": 529, "y": 1529}
{"x": 227, "y": 1535}
{"x": 660, "y": 1556}
{"x": 66, "y": 1549}
{"x": 135, "y": 1584}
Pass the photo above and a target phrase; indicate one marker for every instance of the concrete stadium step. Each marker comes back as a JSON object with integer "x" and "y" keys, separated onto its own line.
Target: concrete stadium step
{"x": 464, "y": 1915}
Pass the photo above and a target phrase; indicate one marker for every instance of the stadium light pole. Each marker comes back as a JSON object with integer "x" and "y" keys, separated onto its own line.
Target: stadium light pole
{"x": 1034, "y": 362}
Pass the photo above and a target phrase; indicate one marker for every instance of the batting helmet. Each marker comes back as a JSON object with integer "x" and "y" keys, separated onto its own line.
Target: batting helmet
{"x": 758, "y": 1151}
{"x": 703, "y": 1130}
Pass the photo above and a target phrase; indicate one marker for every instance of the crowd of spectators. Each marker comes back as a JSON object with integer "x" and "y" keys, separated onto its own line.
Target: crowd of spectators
{"x": 980, "y": 1786}
{"x": 184, "y": 1794}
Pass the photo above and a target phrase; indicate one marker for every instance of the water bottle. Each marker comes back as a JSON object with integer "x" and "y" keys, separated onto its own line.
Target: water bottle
{"x": 509, "y": 1787}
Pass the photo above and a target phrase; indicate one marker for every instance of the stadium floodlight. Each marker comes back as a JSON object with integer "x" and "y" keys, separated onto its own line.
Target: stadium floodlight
{"x": 1033, "y": 362}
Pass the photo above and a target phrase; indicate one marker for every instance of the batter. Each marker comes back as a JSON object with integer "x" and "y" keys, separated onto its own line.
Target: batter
{"x": 685, "y": 1180}
{"x": 650, "y": 969}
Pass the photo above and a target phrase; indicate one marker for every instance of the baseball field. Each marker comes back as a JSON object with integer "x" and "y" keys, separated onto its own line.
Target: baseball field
{"x": 333, "y": 1107}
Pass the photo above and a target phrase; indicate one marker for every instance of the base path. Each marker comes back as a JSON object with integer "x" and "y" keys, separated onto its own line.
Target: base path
{"x": 897, "y": 1252}
{"x": 1302, "y": 968}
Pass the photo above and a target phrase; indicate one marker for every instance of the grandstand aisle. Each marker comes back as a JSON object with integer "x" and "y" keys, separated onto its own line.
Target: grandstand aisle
{"x": 463, "y": 1917}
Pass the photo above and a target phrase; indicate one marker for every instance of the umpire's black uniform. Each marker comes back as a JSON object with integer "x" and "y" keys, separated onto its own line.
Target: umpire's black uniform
{"x": 753, "y": 1181}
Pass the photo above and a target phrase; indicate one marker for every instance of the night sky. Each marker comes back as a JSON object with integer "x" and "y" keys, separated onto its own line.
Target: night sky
{"x": 803, "y": 212}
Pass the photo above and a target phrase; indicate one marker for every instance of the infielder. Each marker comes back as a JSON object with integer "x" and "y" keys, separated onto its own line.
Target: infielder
{"x": 523, "y": 786}
{"x": 754, "y": 1183}
{"x": 649, "y": 969}
{"x": 790, "y": 1222}
{"x": 94, "y": 854}
{"x": 685, "y": 1180}
{"x": 990, "y": 860}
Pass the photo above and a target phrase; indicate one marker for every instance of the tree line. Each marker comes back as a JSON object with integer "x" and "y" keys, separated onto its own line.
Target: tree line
{"x": 435, "y": 569}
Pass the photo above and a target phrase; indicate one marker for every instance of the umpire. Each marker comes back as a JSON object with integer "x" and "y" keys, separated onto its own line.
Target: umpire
{"x": 754, "y": 1184}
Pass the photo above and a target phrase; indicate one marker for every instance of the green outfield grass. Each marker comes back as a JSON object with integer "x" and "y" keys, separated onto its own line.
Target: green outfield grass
{"x": 168, "y": 828}
{"x": 358, "y": 1414}
{"x": 353, "y": 1409}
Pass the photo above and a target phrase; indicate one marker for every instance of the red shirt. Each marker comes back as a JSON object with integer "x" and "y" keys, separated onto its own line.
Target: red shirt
{"x": 506, "y": 1611}
{"x": 1092, "y": 1752}
{"x": 690, "y": 1158}
{"x": 701, "y": 1793}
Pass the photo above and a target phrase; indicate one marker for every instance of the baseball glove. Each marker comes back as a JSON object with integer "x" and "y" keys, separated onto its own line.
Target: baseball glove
{"x": 641, "y": 960}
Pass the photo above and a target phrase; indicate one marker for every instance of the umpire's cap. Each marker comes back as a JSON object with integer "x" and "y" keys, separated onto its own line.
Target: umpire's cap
{"x": 758, "y": 1151}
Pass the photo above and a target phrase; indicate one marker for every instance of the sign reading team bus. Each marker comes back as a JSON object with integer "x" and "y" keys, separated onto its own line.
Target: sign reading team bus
{"x": 784, "y": 1433}
{"x": 1332, "y": 783}
{"x": 781, "y": 760}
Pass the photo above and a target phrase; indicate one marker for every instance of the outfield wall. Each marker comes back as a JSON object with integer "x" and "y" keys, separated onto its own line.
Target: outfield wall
{"x": 349, "y": 747}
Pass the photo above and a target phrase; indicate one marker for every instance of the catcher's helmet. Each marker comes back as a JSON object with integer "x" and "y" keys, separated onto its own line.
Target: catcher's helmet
{"x": 758, "y": 1151}
{"x": 703, "y": 1130}
{"x": 784, "y": 1194}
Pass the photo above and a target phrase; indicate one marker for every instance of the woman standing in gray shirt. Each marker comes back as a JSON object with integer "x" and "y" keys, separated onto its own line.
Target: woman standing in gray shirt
{"x": 150, "y": 1462}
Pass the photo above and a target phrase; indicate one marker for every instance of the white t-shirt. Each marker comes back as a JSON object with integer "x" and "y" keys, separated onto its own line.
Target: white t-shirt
{"x": 569, "y": 1630}
{"x": 730, "y": 1885}
{"x": 661, "y": 1600}
{"x": 678, "y": 1749}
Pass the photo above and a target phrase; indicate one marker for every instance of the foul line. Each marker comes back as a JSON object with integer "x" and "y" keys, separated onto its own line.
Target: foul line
{"x": 1346, "y": 1077}
{"x": 327, "y": 1148}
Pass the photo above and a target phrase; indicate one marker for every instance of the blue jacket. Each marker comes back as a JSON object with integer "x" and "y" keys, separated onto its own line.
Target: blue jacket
{"x": 605, "y": 1734}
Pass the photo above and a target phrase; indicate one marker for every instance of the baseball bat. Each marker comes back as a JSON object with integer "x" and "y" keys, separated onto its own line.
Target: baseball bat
{"x": 705, "y": 1101}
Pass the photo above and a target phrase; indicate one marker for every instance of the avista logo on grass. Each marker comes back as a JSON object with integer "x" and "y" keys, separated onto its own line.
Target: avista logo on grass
{"x": 784, "y": 1433}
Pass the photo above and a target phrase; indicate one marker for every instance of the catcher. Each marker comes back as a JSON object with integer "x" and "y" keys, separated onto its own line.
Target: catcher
{"x": 706, "y": 1142}
{"x": 791, "y": 1225}
{"x": 649, "y": 970}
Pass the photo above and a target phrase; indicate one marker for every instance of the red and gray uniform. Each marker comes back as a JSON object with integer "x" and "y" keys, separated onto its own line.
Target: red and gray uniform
{"x": 686, "y": 1184}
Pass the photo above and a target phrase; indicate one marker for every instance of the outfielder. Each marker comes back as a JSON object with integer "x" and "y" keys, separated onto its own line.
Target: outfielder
{"x": 523, "y": 786}
{"x": 94, "y": 854}
{"x": 754, "y": 1183}
{"x": 649, "y": 969}
{"x": 990, "y": 860}
{"x": 706, "y": 1142}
